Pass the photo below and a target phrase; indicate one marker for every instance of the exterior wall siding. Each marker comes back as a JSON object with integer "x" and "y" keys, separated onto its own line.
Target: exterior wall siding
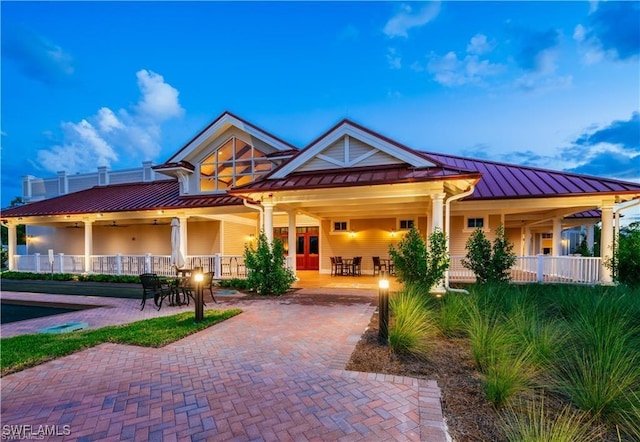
{"x": 235, "y": 237}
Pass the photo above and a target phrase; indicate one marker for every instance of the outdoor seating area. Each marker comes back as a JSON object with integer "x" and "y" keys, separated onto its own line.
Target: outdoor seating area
{"x": 180, "y": 290}
{"x": 346, "y": 266}
{"x": 382, "y": 265}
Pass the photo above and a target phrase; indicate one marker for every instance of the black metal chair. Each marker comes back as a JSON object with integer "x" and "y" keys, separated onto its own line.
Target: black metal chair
{"x": 377, "y": 265}
{"x": 337, "y": 266}
{"x": 356, "y": 266}
{"x": 152, "y": 284}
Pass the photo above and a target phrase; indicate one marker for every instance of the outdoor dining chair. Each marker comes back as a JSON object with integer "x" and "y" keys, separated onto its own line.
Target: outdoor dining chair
{"x": 377, "y": 265}
{"x": 153, "y": 285}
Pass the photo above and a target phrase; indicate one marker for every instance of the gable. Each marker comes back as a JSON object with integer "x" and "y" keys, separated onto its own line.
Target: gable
{"x": 348, "y": 145}
{"x": 348, "y": 152}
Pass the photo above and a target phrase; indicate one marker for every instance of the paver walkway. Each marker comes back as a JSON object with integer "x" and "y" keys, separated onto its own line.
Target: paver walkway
{"x": 273, "y": 373}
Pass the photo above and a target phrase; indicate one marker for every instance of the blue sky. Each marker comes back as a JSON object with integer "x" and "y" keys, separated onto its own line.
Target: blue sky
{"x": 548, "y": 84}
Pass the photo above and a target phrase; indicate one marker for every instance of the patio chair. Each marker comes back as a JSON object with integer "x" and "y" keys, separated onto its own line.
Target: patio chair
{"x": 356, "y": 266}
{"x": 152, "y": 284}
{"x": 241, "y": 268}
{"x": 377, "y": 265}
{"x": 225, "y": 267}
{"x": 337, "y": 267}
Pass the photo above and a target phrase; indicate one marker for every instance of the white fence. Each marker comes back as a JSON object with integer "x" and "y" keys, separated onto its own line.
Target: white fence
{"x": 541, "y": 268}
{"x": 223, "y": 266}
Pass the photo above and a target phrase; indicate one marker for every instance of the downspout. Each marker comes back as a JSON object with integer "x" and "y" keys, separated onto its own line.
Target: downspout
{"x": 447, "y": 226}
{"x": 255, "y": 207}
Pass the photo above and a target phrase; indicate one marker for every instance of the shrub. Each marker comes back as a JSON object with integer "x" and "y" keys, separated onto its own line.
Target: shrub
{"x": 412, "y": 327}
{"x": 489, "y": 263}
{"x": 234, "y": 283}
{"x": 478, "y": 258}
{"x": 414, "y": 264}
{"x": 266, "y": 266}
{"x": 535, "y": 423}
{"x": 625, "y": 263}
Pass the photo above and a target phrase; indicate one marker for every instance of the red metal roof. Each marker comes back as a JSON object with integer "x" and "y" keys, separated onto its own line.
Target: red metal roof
{"x": 121, "y": 198}
{"x": 501, "y": 180}
{"x": 356, "y": 176}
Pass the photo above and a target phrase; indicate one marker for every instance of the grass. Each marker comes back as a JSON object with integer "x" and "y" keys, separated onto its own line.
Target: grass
{"x": 26, "y": 351}
{"x": 413, "y": 328}
{"x": 534, "y": 423}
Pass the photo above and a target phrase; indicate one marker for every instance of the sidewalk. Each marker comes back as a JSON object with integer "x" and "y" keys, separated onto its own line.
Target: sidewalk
{"x": 273, "y": 373}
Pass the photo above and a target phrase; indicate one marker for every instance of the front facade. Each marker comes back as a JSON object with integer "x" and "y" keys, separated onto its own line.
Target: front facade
{"x": 351, "y": 192}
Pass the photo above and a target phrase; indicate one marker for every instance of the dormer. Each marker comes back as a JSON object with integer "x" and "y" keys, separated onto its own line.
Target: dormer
{"x": 230, "y": 152}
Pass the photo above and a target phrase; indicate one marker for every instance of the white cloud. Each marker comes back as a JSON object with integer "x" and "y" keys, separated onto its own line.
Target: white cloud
{"x": 479, "y": 45}
{"x": 394, "y": 60}
{"x": 159, "y": 99}
{"x": 98, "y": 140}
{"x": 451, "y": 70}
{"x": 399, "y": 24}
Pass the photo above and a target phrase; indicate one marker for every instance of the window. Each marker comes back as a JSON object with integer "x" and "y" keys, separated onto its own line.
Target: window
{"x": 234, "y": 163}
{"x": 475, "y": 223}
{"x": 406, "y": 224}
{"x": 340, "y": 226}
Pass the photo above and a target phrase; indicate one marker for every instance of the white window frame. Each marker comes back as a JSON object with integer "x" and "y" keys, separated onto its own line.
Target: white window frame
{"x": 340, "y": 232}
{"x": 485, "y": 223}
{"x": 404, "y": 229}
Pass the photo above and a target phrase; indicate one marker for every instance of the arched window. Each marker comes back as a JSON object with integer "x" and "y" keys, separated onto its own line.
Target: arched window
{"x": 234, "y": 163}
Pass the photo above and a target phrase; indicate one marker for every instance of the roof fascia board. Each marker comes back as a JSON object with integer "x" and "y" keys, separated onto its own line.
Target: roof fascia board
{"x": 218, "y": 126}
{"x": 346, "y": 128}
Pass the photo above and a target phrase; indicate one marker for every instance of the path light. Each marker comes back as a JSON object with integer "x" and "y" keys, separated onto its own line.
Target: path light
{"x": 198, "y": 277}
{"x": 383, "y": 308}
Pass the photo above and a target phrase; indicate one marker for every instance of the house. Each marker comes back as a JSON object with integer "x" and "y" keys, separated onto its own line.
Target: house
{"x": 350, "y": 192}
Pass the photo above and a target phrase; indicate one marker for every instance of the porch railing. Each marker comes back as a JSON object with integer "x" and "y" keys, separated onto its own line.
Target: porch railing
{"x": 541, "y": 268}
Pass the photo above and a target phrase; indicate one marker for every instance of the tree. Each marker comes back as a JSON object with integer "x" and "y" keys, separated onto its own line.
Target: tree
{"x": 414, "y": 264}
{"x": 490, "y": 263}
{"x": 625, "y": 263}
{"x": 266, "y": 266}
{"x": 478, "y": 258}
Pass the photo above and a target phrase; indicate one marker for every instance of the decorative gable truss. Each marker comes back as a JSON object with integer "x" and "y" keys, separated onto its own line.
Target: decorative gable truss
{"x": 347, "y": 146}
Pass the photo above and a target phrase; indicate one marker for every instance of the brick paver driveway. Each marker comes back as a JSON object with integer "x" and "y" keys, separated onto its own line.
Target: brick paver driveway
{"x": 274, "y": 372}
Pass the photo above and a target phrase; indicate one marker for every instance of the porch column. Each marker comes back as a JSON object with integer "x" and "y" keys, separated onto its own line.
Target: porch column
{"x": 556, "y": 249}
{"x": 590, "y": 237}
{"x": 12, "y": 239}
{"x": 291, "y": 238}
{"x": 268, "y": 220}
{"x": 183, "y": 237}
{"x": 606, "y": 242}
{"x": 527, "y": 241}
{"x": 437, "y": 211}
{"x": 88, "y": 245}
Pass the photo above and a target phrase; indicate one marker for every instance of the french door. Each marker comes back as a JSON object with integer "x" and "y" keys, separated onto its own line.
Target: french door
{"x": 307, "y": 246}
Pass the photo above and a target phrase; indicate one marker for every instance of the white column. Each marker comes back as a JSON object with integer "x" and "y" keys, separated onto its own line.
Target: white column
{"x": 183, "y": 237}
{"x": 527, "y": 241}
{"x": 556, "y": 249}
{"x": 268, "y": 220}
{"x": 606, "y": 242}
{"x": 88, "y": 245}
{"x": 437, "y": 211}
{"x": 12, "y": 239}
{"x": 590, "y": 237}
{"x": 291, "y": 238}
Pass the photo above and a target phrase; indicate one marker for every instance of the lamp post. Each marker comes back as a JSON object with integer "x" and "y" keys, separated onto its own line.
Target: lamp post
{"x": 383, "y": 308}
{"x": 198, "y": 278}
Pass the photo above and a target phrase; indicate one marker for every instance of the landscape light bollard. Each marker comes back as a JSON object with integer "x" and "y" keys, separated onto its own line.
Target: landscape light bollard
{"x": 383, "y": 308}
{"x": 198, "y": 277}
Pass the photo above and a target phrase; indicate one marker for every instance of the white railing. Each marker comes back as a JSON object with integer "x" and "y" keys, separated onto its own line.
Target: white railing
{"x": 540, "y": 268}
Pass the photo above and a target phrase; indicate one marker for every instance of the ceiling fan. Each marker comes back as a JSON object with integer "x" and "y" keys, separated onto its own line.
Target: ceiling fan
{"x": 156, "y": 223}
{"x": 75, "y": 226}
{"x": 113, "y": 224}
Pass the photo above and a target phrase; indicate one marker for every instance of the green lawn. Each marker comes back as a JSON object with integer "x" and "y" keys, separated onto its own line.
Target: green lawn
{"x": 20, "y": 352}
